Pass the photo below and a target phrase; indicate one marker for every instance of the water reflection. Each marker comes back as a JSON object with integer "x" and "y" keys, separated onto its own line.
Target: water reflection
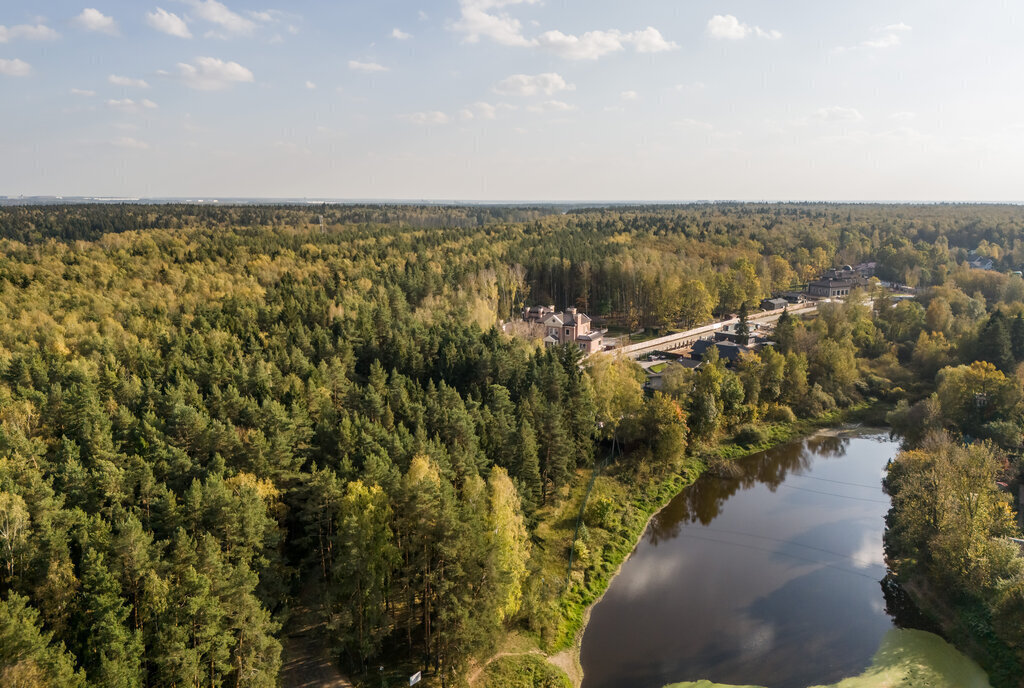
{"x": 767, "y": 577}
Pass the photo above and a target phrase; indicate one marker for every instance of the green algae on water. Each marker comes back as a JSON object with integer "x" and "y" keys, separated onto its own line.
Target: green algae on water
{"x": 906, "y": 659}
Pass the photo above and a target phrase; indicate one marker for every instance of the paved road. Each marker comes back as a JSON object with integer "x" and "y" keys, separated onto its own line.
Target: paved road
{"x": 681, "y": 339}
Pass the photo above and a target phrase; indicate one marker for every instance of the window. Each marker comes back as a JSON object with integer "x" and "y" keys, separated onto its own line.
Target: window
{"x": 567, "y": 332}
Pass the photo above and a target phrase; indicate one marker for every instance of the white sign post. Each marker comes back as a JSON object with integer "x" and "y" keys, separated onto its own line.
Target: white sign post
{"x": 415, "y": 678}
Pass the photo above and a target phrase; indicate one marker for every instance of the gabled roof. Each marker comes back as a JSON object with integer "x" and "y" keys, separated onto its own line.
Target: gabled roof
{"x": 553, "y": 319}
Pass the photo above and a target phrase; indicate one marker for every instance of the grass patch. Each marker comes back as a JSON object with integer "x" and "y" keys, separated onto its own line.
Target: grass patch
{"x": 524, "y": 671}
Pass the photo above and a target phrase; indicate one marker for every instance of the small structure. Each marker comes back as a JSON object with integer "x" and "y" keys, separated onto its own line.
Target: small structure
{"x": 793, "y": 297}
{"x": 658, "y": 367}
{"x": 774, "y": 304}
{"x": 731, "y": 333}
{"x": 982, "y": 263}
{"x": 728, "y": 351}
{"x": 568, "y": 327}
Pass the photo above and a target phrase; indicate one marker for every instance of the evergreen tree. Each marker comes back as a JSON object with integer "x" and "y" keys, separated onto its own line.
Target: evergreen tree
{"x": 1017, "y": 338}
{"x": 994, "y": 344}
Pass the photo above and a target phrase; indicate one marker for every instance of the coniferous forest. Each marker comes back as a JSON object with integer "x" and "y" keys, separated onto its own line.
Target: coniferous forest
{"x": 213, "y": 416}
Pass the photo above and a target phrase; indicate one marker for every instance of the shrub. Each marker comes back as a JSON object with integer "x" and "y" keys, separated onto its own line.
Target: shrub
{"x": 749, "y": 435}
{"x": 780, "y": 414}
{"x": 524, "y": 671}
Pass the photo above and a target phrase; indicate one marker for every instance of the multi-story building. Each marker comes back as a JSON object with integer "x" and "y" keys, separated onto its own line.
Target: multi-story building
{"x": 568, "y": 327}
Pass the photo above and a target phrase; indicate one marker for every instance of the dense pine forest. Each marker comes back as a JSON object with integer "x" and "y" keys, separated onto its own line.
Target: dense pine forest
{"x": 208, "y": 414}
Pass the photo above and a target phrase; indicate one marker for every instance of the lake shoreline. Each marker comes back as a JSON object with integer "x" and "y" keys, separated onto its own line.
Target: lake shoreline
{"x": 568, "y": 659}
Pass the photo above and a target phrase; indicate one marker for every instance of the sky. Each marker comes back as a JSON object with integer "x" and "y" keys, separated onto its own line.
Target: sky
{"x": 502, "y": 100}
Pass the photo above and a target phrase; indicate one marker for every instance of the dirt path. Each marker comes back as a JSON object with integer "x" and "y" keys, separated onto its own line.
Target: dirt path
{"x": 475, "y": 673}
{"x": 306, "y": 657}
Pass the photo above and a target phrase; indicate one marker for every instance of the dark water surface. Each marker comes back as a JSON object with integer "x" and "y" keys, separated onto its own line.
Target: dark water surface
{"x": 770, "y": 578}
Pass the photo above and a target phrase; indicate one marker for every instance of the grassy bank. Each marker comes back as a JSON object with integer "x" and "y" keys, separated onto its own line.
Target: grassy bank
{"x": 914, "y": 659}
{"x": 617, "y": 512}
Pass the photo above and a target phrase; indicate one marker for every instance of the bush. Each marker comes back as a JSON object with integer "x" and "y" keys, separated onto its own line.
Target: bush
{"x": 780, "y": 414}
{"x": 817, "y": 402}
{"x": 601, "y": 513}
{"x": 524, "y": 671}
{"x": 749, "y": 435}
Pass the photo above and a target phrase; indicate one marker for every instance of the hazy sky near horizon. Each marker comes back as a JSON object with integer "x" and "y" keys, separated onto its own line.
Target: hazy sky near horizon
{"x": 514, "y": 99}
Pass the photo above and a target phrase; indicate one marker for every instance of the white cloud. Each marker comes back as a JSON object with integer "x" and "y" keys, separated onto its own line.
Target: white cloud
{"x": 480, "y": 109}
{"x": 82, "y": 92}
{"x": 548, "y": 83}
{"x": 130, "y": 106}
{"x": 31, "y": 32}
{"x": 838, "y": 113}
{"x": 400, "y": 35}
{"x": 127, "y": 81}
{"x": 129, "y": 143}
{"x": 903, "y": 116}
{"x": 551, "y": 106}
{"x": 91, "y": 19}
{"x": 426, "y": 118}
{"x": 480, "y": 19}
{"x": 477, "y": 20}
{"x": 629, "y": 95}
{"x": 357, "y": 66}
{"x": 168, "y": 22}
{"x": 486, "y": 110}
{"x": 728, "y": 27}
{"x": 211, "y": 74}
{"x": 589, "y": 46}
{"x": 219, "y": 14}
{"x": 650, "y": 40}
{"x": 310, "y": 85}
{"x": 15, "y": 67}
{"x": 886, "y": 37}
{"x": 889, "y": 40}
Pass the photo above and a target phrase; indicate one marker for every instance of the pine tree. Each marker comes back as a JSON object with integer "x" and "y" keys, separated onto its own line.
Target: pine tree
{"x": 28, "y": 655}
{"x": 1017, "y": 337}
{"x": 110, "y": 652}
{"x": 742, "y": 327}
{"x": 528, "y": 467}
{"x": 785, "y": 332}
{"x": 994, "y": 343}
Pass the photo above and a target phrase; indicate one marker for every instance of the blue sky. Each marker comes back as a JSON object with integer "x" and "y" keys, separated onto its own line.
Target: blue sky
{"x": 513, "y": 99}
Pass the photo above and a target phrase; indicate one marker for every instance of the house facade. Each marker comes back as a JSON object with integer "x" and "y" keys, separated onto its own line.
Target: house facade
{"x": 567, "y": 327}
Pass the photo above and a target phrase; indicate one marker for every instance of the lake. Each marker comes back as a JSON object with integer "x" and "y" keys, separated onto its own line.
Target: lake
{"x": 769, "y": 577}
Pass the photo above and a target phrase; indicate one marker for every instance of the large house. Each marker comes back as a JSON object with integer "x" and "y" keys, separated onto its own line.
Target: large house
{"x": 568, "y": 327}
{"x": 839, "y": 281}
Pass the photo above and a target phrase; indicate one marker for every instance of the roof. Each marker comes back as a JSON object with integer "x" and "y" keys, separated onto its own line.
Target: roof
{"x": 830, "y": 283}
{"x": 553, "y": 319}
{"x": 550, "y": 340}
{"x": 726, "y": 349}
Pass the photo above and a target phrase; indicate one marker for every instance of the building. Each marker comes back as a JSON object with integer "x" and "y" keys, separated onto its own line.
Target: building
{"x": 838, "y": 282}
{"x": 731, "y": 333}
{"x": 727, "y": 351}
{"x": 793, "y": 296}
{"x": 537, "y": 314}
{"x": 568, "y": 327}
{"x": 774, "y": 304}
{"x": 829, "y": 288}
